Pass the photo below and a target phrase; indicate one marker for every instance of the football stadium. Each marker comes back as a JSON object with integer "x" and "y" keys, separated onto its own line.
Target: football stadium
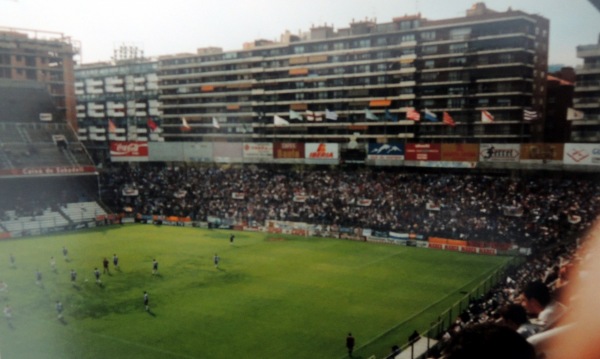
{"x": 408, "y": 189}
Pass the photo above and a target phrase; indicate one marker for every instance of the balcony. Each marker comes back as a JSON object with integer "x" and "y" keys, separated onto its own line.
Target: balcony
{"x": 587, "y": 69}
{"x": 588, "y": 51}
{"x": 582, "y": 86}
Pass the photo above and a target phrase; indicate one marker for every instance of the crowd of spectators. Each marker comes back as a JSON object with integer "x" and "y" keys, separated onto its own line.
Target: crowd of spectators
{"x": 537, "y": 301}
{"x": 461, "y": 206}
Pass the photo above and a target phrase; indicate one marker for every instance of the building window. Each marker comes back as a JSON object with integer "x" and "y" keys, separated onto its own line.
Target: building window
{"x": 505, "y": 102}
{"x": 298, "y": 49}
{"x": 506, "y": 58}
{"x": 454, "y": 76}
{"x": 483, "y": 102}
{"x": 428, "y": 50}
{"x": 429, "y": 76}
{"x": 339, "y": 46}
{"x": 429, "y": 64}
{"x": 428, "y": 103}
{"x": 460, "y": 33}
{"x": 381, "y": 41}
{"x": 405, "y": 25}
{"x": 457, "y": 61}
{"x": 362, "y": 43}
{"x": 456, "y": 102}
{"x": 428, "y": 35}
{"x": 458, "y": 48}
{"x": 321, "y": 47}
{"x": 408, "y": 37}
{"x": 456, "y": 90}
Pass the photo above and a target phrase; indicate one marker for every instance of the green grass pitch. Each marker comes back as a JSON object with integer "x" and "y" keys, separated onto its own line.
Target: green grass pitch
{"x": 272, "y": 296}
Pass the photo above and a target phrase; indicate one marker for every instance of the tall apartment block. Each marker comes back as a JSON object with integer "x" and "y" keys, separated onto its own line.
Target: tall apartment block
{"x": 41, "y": 57}
{"x": 361, "y": 81}
{"x": 587, "y": 95}
{"x": 124, "y": 92}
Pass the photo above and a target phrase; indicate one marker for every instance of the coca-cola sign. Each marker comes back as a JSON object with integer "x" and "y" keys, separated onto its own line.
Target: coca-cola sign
{"x": 128, "y": 151}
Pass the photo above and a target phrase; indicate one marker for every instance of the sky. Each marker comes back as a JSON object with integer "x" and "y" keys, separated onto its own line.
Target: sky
{"x": 161, "y": 27}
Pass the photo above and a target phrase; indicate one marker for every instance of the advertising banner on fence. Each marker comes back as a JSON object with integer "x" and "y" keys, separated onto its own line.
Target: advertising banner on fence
{"x": 288, "y": 152}
{"x": 321, "y": 153}
{"x": 227, "y": 152}
{"x": 165, "y": 151}
{"x": 542, "y": 153}
{"x": 254, "y": 152}
{"x": 582, "y": 154}
{"x": 48, "y": 171}
{"x": 128, "y": 151}
{"x": 386, "y": 151}
{"x": 499, "y": 152}
{"x": 197, "y": 152}
{"x": 423, "y": 152}
{"x": 460, "y": 152}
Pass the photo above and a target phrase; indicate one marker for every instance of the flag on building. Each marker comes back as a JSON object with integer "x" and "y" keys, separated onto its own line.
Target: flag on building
{"x": 448, "y": 120}
{"x": 413, "y": 115}
{"x": 152, "y": 125}
{"x": 215, "y": 123}
{"x": 314, "y": 116}
{"x": 530, "y": 115}
{"x": 486, "y": 117}
{"x": 574, "y": 115}
{"x": 111, "y": 126}
{"x": 331, "y": 115}
{"x": 295, "y": 116}
{"x": 370, "y": 115}
{"x": 184, "y": 125}
{"x": 389, "y": 117}
{"x": 278, "y": 121}
{"x": 430, "y": 116}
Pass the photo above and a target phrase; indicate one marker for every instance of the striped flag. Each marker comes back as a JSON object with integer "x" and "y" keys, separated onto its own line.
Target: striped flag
{"x": 530, "y": 115}
{"x": 430, "y": 116}
{"x": 413, "y": 115}
{"x": 314, "y": 116}
{"x": 448, "y": 120}
{"x": 486, "y": 117}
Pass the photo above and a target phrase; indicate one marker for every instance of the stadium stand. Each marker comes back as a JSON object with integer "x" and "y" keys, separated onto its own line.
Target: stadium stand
{"x": 48, "y": 181}
{"x": 502, "y": 209}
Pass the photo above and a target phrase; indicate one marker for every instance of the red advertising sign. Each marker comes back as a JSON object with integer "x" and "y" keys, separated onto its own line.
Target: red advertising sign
{"x": 423, "y": 152}
{"x": 293, "y": 150}
{"x": 128, "y": 151}
{"x": 48, "y": 171}
{"x": 460, "y": 152}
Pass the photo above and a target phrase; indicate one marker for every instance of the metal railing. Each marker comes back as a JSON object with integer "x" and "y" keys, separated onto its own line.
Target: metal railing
{"x": 448, "y": 317}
